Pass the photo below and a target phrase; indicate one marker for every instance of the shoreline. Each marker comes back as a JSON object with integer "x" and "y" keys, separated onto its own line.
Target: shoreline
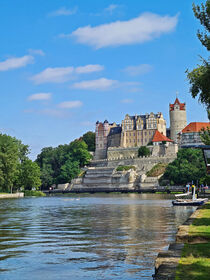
{"x": 12, "y": 195}
{"x": 167, "y": 262}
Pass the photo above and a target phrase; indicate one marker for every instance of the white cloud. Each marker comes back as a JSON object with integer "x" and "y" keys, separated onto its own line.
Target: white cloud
{"x": 137, "y": 30}
{"x": 70, "y": 104}
{"x": 16, "y": 62}
{"x": 36, "y": 52}
{"x": 63, "y": 74}
{"x": 100, "y": 84}
{"x": 53, "y": 75}
{"x": 89, "y": 69}
{"x": 138, "y": 69}
{"x": 39, "y": 96}
{"x": 63, "y": 12}
{"x": 127, "y": 101}
{"x": 111, "y": 8}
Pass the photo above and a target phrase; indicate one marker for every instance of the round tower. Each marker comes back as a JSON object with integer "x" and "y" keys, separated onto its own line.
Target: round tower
{"x": 178, "y": 119}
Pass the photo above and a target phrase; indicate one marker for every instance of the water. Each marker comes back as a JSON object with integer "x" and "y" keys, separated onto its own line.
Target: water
{"x": 110, "y": 236}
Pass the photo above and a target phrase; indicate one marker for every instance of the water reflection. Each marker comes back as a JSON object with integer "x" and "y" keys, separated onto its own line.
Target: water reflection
{"x": 90, "y": 237}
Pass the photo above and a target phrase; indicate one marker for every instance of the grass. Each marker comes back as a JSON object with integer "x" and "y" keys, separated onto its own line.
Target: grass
{"x": 195, "y": 261}
{"x": 157, "y": 170}
{"x": 34, "y": 193}
{"x": 125, "y": 167}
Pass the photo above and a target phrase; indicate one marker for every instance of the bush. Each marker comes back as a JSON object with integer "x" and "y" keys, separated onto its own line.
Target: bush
{"x": 34, "y": 193}
{"x": 143, "y": 152}
{"x": 125, "y": 167}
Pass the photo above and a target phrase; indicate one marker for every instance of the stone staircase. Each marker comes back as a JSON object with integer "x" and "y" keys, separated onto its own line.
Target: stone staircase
{"x": 98, "y": 176}
{"x": 95, "y": 177}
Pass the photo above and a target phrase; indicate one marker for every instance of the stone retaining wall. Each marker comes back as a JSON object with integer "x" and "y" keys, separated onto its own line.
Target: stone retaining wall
{"x": 12, "y": 195}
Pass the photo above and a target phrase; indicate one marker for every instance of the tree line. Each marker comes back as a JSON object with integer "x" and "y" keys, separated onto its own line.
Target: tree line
{"x": 53, "y": 165}
{"x": 17, "y": 171}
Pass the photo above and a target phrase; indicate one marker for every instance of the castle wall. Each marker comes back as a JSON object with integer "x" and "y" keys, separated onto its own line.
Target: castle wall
{"x": 114, "y": 140}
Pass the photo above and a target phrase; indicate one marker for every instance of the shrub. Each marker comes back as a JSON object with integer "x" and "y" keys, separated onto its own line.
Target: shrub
{"x": 143, "y": 151}
{"x": 125, "y": 167}
{"x": 34, "y": 193}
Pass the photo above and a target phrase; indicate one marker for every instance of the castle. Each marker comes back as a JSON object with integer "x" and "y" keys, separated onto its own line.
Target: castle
{"x": 139, "y": 130}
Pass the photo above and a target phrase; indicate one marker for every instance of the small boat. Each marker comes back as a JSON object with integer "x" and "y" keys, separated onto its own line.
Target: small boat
{"x": 189, "y": 202}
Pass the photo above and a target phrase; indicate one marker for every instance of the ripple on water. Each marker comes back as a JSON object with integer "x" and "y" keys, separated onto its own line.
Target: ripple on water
{"x": 92, "y": 237}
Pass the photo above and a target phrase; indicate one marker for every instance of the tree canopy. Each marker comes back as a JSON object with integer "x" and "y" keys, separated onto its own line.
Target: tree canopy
{"x": 16, "y": 170}
{"x": 89, "y": 139}
{"x": 61, "y": 164}
{"x": 143, "y": 151}
{"x": 189, "y": 166}
{"x": 199, "y": 78}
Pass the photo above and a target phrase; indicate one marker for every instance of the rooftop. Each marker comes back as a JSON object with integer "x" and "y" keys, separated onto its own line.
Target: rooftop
{"x": 159, "y": 137}
{"x": 195, "y": 127}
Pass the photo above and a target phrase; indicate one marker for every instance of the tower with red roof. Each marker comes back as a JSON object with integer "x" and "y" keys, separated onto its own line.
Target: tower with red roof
{"x": 178, "y": 119}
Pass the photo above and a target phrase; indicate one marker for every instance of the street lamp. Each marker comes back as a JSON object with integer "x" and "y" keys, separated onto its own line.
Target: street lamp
{"x": 206, "y": 155}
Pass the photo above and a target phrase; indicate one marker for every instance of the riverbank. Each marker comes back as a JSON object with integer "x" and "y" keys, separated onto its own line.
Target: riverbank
{"x": 11, "y": 195}
{"x": 189, "y": 257}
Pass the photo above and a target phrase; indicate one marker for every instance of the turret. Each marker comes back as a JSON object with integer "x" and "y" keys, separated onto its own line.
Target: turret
{"x": 178, "y": 119}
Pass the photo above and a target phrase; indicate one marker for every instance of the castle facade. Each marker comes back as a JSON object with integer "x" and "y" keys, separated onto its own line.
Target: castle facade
{"x": 138, "y": 130}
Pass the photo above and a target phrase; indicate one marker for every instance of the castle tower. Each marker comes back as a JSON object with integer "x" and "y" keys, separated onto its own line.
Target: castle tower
{"x": 102, "y": 131}
{"x": 178, "y": 119}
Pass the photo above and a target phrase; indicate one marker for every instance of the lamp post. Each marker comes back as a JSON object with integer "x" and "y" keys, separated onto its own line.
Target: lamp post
{"x": 206, "y": 155}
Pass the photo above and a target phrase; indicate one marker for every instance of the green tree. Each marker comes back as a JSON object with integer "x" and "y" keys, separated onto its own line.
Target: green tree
{"x": 61, "y": 164}
{"x": 143, "y": 151}
{"x": 199, "y": 78}
{"x": 189, "y": 166}
{"x": 79, "y": 152}
{"x": 89, "y": 139}
{"x": 9, "y": 162}
{"x": 205, "y": 136}
{"x": 30, "y": 175}
{"x": 68, "y": 171}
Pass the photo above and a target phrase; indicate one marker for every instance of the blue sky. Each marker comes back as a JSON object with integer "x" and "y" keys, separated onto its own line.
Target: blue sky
{"x": 64, "y": 64}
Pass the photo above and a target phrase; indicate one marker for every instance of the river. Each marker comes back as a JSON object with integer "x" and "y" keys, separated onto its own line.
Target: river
{"x": 98, "y": 236}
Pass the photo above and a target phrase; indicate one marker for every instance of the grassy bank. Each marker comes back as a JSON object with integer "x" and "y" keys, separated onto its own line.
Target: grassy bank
{"x": 195, "y": 261}
{"x": 34, "y": 193}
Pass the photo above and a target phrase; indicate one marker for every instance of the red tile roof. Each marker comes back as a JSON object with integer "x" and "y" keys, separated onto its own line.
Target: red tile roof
{"x": 182, "y": 105}
{"x": 159, "y": 137}
{"x": 195, "y": 127}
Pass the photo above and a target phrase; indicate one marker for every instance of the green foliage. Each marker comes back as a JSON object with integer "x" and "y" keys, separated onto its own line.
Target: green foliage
{"x": 143, "y": 152}
{"x": 62, "y": 164}
{"x": 157, "y": 170}
{"x": 68, "y": 171}
{"x": 189, "y": 166}
{"x": 125, "y": 167}
{"x": 195, "y": 260}
{"x": 205, "y": 136}
{"x": 30, "y": 175}
{"x": 16, "y": 170}
{"x": 33, "y": 193}
{"x": 199, "y": 77}
{"x": 89, "y": 139}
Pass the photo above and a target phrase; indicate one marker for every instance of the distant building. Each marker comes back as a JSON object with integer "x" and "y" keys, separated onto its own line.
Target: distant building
{"x": 135, "y": 131}
{"x": 178, "y": 119}
{"x": 190, "y": 135}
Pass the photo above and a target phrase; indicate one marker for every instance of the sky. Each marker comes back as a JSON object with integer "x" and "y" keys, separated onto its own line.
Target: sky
{"x": 64, "y": 64}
